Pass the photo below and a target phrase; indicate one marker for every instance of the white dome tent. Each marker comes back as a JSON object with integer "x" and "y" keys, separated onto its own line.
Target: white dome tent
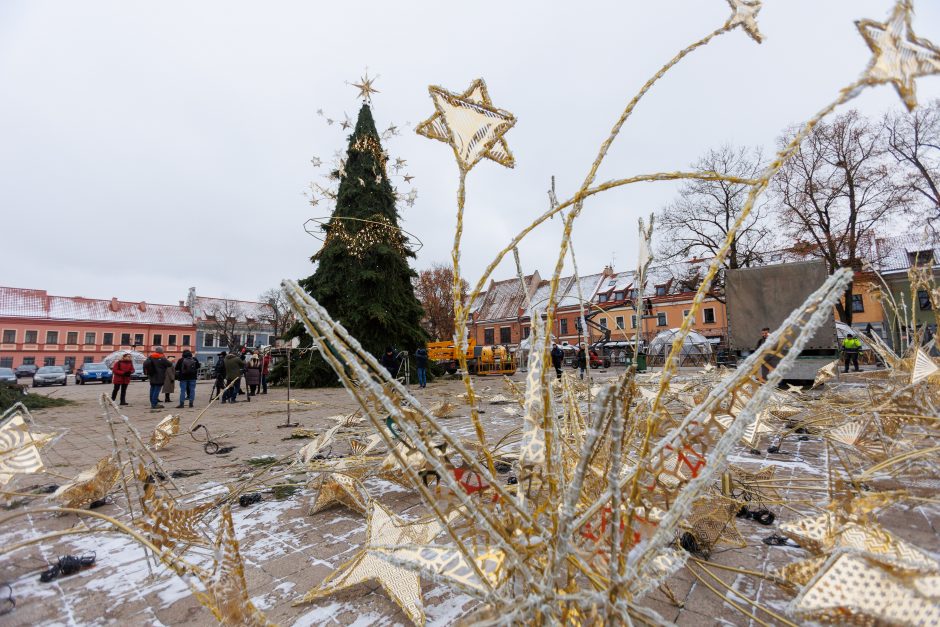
{"x": 696, "y": 349}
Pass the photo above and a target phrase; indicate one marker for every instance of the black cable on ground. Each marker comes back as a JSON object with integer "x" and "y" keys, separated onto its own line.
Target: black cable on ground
{"x": 8, "y": 604}
{"x": 68, "y": 565}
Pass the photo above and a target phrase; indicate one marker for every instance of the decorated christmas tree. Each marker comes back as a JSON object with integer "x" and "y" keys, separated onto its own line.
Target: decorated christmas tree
{"x": 363, "y": 277}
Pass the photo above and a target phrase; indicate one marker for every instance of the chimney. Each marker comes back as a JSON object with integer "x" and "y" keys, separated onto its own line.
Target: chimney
{"x": 142, "y": 306}
{"x": 114, "y": 304}
{"x": 608, "y": 270}
{"x": 182, "y": 303}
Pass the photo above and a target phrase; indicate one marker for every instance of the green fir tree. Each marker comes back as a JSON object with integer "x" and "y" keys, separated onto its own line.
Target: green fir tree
{"x": 363, "y": 278}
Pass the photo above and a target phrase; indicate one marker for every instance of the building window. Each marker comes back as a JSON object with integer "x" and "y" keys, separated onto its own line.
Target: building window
{"x": 171, "y": 339}
{"x": 603, "y": 322}
{"x": 237, "y": 340}
{"x": 90, "y": 338}
{"x": 619, "y": 322}
{"x": 563, "y": 326}
{"x": 6, "y": 362}
{"x": 618, "y": 295}
{"x": 250, "y": 340}
{"x": 52, "y": 337}
{"x": 87, "y": 359}
{"x": 488, "y": 336}
{"x": 31, "y": 337}
{"x": 602, "y": 298}
{"x": 157, "y": 339}
{"x": 708, "y": 315}
{"x": 685, "y": 314}
{"x": 125, "y": 339}
{"x": 858, "y": 305}
{"x": 138, "y": 339}
{"x": 107, "y": 339}
{"x": 633, "y": 321}
{"x": 9, "y": 336}
{"x": 71, "y": 337}
{"x": 525, "y": 332}
{"x": 921, "y": 257}
{"x": 48, "y": 361}
{"x": 29, "y": 361}
{"x": 505, "y": 335}
{"x": 69, "y": 364}
{"x": 633, "y": 293}
{"x": 923, "y": 300}
{"x": 208, "y": 340}
{"x": 660, "y": 290}
{"x": 661, "y": 319}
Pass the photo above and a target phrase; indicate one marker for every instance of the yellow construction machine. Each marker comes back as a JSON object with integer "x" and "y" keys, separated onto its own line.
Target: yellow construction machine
{"x": 481, "y": 360}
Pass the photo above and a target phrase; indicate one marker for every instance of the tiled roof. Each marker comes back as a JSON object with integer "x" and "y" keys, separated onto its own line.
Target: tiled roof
{"x": 503, "y": 300}
{"x": 895, "y": 253}
{"x": 205, "y": 306}
{"x": 25, "y": 303}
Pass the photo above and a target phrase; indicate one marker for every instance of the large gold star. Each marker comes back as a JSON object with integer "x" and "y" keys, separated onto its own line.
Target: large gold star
{"x": 745, "y": 16}
{"x": 19, "y": 446}
{"x": 899, "y": 56}
{"x": 90, "y": 485}
{"x": 365, "y": 88}
{"x": 470, "y": 123}
{"x": 384, "y": 529}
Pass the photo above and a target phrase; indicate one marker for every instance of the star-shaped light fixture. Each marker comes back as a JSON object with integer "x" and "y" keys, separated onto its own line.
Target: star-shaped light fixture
{"x": 365, "y": 88}
{"x": 745, "y": 16}
{"x": 899, "y": 56}
{"x": 19, "y": 446}
{"x": 341, "y": 489}
{"x": 384, "y": 529}
{"x": 470, "y": 124}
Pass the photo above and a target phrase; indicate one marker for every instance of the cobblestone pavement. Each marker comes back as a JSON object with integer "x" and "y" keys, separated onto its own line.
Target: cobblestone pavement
{"x": 287, "y": 551}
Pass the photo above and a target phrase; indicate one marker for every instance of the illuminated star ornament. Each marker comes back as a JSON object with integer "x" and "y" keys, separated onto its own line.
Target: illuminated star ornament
{"x": 365, "y": 88}
{"x": 19, "y": 445}
{"x": 470, "y": 124}
{"x": 899, "y": 56}
{"x": 745, "y": 16}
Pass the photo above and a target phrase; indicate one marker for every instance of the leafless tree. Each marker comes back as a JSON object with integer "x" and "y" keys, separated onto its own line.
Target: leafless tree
{"x": 836, "y": 194}
{"x": 913, "y": 140}
{"x": 280, "y": 316}
{"x": 696, "y": 224}
{"x": 229, "y": 320}
{"x": 434, "y": 288}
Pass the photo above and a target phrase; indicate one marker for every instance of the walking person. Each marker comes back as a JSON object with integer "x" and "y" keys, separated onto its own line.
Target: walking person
{"x": 421, "y": 363}
{"x": 123, "y": 368}
{"x": 582, "y": 360}
{"x": 851, "y": 347}
{"x": 169, "y": 383}
{"x": 219, "y": 372}
{"x": 265, "y": 370}
{"x": 187, "y": 369}
{"x": 155, "y": 368}
{"x": 253, "y": 375}
{"x": 233, "y": 372}
{"x": 557, "y": 356}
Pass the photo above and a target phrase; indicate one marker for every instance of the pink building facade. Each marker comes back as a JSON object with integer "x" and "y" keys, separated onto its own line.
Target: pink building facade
{"x": 46, "y": 330}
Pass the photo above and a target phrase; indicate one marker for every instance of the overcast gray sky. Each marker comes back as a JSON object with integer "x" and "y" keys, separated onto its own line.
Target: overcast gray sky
{"x": 146, "y": 147}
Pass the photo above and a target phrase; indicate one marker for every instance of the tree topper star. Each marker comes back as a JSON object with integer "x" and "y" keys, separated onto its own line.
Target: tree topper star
{"x": 745, "y": 16}
{"x": 899, "y": 56}
{"x": 365, "y": 88}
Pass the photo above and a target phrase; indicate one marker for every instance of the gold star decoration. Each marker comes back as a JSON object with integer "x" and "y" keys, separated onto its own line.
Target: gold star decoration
{"x": 745, "y": 16}
{"x": 164, "y": 432}
{"x": 346, "y": 123}
{"x": 316, "y": 162}
{"x": 19, "y": 446}
{"x": 384, "y": 529}
{"x": 90, "y": 485}
{"x": 899, "y": 56}
{"x": 365, "y": 88}
{"x": 408, "y": 178}
{"x": 340, "y": 489}
{"x": 165, "y": 523}
{"x": 470, "y": 123}
{"x": 226, "y": 592}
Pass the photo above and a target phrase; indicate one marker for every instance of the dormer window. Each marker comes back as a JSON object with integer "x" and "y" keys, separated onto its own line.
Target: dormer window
{"x": 660, "y": 290}
{"x": 921, "y": 257}
{"x": 602, "y": 298}
{"x": 618, "y": 295}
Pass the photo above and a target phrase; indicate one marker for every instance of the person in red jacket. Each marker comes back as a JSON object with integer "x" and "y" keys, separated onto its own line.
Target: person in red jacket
{"x": 123, "y": 368}
{"x": 265, "y": 368}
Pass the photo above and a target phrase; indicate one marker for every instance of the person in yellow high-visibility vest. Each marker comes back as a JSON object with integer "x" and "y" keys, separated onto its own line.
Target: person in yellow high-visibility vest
{"x": 851, "y": 347}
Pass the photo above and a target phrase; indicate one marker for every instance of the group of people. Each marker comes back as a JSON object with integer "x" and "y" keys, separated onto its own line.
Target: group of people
{"x": 391, "y": 362}
{"x": 163, "y": 372}
{"x": 229, "y": 370}
{"x": 558, "y": 356}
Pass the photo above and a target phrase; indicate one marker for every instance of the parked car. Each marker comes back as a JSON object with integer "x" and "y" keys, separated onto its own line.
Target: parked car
{"x": 50, "y": 375}
{"x": 26, "y": 370}
{"x": 7, "y": 375}
{"x": 93, "y": 372}
{"x": 138, "y": 374}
